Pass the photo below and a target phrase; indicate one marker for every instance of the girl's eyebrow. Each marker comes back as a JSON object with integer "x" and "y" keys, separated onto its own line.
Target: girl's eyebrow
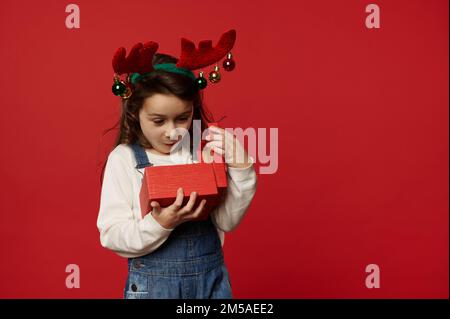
{"x": 163, "y": 115}
{"x": 156, "y": 114}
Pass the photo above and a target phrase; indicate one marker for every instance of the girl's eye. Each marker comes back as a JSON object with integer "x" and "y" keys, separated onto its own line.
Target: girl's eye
{"x": 159, "y": 122}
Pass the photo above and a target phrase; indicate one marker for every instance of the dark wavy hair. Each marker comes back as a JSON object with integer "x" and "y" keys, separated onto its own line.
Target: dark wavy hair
{"x": 163, "y": 82}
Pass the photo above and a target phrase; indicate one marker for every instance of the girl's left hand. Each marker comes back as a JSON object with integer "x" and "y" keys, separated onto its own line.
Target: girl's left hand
{"x": 227, "y": 145}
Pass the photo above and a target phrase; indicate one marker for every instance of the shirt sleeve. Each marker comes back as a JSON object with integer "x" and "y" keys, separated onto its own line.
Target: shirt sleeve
{"x": 240, "y": 191}
{"x": 120, "y": 230}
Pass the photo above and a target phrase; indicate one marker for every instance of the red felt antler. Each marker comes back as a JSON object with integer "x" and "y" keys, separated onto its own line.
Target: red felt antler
{"x": 193, "y": 59}
{"x": 139, "y": 59}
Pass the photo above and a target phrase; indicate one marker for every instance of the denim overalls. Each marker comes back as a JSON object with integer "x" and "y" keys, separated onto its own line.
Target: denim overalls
{"x": 188, "y": 265}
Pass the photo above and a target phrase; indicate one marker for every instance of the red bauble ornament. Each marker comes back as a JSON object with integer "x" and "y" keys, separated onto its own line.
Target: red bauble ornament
{"x": 228, "y": 63}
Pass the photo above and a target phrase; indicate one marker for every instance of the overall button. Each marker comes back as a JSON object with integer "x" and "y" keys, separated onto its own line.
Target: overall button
{"x": 137, "y": 264}
{"x": 133, "y": 288}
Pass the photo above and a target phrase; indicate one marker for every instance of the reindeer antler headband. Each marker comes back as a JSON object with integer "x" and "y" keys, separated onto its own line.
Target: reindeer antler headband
{"x": 138, "y": 63}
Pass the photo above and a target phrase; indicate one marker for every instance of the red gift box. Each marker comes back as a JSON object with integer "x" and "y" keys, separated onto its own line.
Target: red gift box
{"x": 160, "y": 183}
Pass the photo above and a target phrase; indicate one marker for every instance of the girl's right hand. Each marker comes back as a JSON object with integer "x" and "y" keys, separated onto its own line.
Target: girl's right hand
{"x": 171, "y": 216}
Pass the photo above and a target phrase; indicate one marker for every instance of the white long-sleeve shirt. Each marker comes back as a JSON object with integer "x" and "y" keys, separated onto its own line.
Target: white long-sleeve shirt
{"x": 122, "y": 228}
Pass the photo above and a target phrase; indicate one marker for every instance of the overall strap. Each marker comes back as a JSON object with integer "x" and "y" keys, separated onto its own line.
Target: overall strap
{"x": 141, "y": 156}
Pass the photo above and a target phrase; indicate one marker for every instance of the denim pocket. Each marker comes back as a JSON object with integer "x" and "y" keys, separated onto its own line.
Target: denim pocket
{"x": 137, "y": 286}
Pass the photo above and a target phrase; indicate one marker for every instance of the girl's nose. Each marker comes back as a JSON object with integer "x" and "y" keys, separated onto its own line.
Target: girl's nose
{"x": 170, "y": 130}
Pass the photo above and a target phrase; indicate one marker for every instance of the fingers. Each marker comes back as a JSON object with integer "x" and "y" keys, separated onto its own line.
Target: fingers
{"x": 187, "y": 210}
{"x": 199, "y": 209}
{"x": 179, "y": 200}
{"x": 219, "y": 150}
{"x": 190, "y": 204}
{"x": 214, "y": 133}
{"x": 217, "y": 141}
{"x": 217, "y": 146}
{"x": 220, "y": 140}
{"x": 232, "y": 148}
{"x": 155, "y": 207}
{"x": 216, "y": 129}
{"x": 214, "y": 137}
{"x": 220, "y": 131}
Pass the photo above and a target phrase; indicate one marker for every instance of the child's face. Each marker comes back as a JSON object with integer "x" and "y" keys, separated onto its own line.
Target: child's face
{"x": 160, "y": 115}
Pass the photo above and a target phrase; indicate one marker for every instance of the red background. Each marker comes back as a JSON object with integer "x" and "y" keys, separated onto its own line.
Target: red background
{"x": 363, "y": 142}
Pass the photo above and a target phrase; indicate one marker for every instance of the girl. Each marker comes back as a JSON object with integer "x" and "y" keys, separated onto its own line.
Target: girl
{"x": 171, "y": 254}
